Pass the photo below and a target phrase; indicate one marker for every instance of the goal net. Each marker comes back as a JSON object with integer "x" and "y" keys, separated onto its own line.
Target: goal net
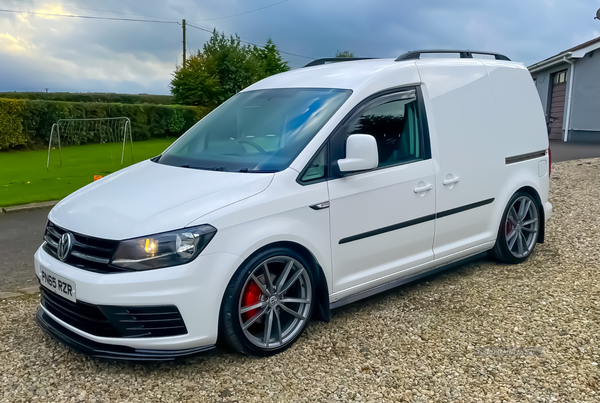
{"x": 109, "y": 131}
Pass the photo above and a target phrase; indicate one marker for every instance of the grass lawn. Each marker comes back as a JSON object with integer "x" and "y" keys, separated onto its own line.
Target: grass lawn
{"x": 24, "y": 178}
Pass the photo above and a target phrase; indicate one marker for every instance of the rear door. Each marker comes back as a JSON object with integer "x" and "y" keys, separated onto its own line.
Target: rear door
{"x": 468, "y": 152}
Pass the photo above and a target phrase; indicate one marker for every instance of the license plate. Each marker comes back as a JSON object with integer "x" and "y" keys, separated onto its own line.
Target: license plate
{"x": 58, "y": 284}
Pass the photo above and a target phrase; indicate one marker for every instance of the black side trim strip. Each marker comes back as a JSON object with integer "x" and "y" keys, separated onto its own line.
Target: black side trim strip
{"x": 416, "y": 221}
{"x": 388, "y": 229}
{"x": 525, "y": 157}
{"x": 464, "y": 208}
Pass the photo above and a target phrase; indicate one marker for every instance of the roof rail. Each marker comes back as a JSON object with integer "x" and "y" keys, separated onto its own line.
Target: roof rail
{"x": 464, "y": 54}
{"x": 328, "y": 60}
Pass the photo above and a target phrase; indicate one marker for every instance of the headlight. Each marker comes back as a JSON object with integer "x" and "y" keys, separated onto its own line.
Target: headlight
{"x": 163, "y": 250}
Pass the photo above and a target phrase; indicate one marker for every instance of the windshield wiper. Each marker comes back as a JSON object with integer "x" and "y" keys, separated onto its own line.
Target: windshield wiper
{"x": 203, "y": 168}
{"x": 259, "y": 171}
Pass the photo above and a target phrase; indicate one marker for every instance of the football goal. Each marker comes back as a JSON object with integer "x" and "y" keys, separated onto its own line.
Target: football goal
{"x": 67, "y": 132}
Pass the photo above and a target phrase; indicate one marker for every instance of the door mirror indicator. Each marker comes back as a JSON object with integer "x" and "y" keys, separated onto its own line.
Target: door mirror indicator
{"x": 361, "y": 154}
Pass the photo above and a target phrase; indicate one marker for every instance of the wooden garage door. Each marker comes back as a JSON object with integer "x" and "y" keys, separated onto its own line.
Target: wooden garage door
{"x": 557, "y": 104}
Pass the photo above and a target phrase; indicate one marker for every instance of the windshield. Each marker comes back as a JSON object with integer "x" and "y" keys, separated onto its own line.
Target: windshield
{"x": 256, "y": 131}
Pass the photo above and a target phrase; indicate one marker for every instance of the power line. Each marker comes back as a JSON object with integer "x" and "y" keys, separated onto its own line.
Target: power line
{"x": 95, "y": 9}
{"x": 246, "y": 12}
{"x": 138, "y": 20}
{"x": 250, "y": 43}
{"x": 85, "y": 16}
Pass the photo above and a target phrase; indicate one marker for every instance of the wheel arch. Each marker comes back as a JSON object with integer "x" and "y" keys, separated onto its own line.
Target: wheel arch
{"x": 322, "y": 309}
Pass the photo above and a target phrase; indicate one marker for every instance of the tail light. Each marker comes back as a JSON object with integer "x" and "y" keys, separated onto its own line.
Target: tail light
{"x": 549, "y": 162}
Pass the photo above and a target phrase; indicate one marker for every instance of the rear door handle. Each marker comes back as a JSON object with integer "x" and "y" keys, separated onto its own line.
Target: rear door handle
{"x": 452, "y": 181}
{"x": 425, "y": 188}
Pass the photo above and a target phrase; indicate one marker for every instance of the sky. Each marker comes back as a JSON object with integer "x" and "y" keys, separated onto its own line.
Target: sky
{"x": 39, "y": 52}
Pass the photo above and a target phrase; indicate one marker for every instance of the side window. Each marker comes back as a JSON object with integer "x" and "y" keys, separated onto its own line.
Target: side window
{"x": 393, "y": 121}
{"x": 317, "y": 168}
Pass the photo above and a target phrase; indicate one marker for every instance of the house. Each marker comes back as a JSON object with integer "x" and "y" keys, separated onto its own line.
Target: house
{"x": 569, "y": 86}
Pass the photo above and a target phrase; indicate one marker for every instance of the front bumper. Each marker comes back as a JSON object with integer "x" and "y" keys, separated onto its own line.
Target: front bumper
{"x": 109, "y": 351}
{"x": 196, "y": 289}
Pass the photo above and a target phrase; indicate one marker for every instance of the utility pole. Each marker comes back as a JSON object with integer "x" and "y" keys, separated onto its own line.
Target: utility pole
{"x": 183, "y": 26}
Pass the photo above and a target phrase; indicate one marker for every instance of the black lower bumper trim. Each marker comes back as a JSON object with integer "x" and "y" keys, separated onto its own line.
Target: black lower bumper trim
{"x": 109, "y": 351}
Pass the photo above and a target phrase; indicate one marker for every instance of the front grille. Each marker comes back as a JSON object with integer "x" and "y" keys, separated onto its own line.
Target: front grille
{"x": 116, "y": 321}
{"x": 89, "y": 253}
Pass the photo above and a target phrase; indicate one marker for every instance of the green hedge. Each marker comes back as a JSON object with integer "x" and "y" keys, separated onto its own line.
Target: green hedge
{"x": 91, "y": 97}
{"x": 11, "y": 123}
{"x": 28, "y": 123}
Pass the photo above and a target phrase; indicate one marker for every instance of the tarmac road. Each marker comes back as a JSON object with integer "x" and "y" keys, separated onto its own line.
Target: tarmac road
{"x": 21, "y": 233}
{"x": 562, "y": 151}
{"x": 20, "y": 236}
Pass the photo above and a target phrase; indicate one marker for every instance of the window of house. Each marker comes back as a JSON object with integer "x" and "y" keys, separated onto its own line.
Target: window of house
{"x": 560, "y": 77}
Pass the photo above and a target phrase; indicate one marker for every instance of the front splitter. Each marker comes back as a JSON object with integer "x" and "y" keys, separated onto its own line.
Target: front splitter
{"x": 110, "y": 351}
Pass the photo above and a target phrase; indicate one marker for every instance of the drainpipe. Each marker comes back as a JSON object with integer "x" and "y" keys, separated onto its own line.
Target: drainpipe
{"x": 569, "y": 97}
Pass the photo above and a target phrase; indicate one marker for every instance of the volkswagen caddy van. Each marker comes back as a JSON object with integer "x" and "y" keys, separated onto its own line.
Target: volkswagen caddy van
{"x": 304, "y": 192}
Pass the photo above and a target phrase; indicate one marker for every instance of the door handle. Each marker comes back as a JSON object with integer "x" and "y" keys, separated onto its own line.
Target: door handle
{"x": 425, "y": 188}
{"x": 452, "y": 181}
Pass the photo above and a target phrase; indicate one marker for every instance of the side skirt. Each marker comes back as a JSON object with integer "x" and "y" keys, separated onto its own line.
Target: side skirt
{"x": 404, "y": 280}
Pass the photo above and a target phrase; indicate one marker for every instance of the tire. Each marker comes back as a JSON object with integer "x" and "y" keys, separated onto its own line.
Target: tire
{"x": 519, "y": 229}
{"x": 280, "y": 309}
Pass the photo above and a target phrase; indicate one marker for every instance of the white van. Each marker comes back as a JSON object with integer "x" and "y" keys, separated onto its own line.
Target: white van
{"x": 306, "y": 191}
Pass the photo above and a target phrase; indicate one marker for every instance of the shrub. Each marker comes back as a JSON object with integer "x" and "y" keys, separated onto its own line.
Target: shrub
{"x": 91, "y": 97}
{"x": 11, "y": 124}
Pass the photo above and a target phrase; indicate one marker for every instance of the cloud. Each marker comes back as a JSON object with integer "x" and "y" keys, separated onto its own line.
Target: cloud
{"x": 70, "y": 54}
{"x": 48, "y": 9}
{"x": 9, "y": 43}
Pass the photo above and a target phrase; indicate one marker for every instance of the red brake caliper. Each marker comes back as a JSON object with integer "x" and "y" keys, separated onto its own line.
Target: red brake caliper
{"x": 252, "y": 296}
{"x": 509, "y": 227}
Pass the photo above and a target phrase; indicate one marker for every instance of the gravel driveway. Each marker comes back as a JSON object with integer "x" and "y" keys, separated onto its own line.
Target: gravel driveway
{"x": 431, "y": 341}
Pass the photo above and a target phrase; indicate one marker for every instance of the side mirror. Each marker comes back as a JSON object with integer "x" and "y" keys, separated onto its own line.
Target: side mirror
{"x": 361, "y": 153}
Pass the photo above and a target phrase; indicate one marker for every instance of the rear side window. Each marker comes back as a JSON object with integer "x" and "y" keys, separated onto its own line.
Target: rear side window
{"x": 394, "y": 123}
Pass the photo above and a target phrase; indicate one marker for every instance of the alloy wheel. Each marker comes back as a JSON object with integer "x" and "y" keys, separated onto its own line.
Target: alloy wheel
{"x": 275, "y": 302}
{"x": 521, "y": 226}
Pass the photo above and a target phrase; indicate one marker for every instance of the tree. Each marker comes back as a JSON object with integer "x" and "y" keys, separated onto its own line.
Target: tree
{"x": 233, "y": 63}
{"x": 270, "y": 59}
{"x": 224, "y": 67}
{"x": 196, "y": 84}
{"x": 345, "y": 53}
